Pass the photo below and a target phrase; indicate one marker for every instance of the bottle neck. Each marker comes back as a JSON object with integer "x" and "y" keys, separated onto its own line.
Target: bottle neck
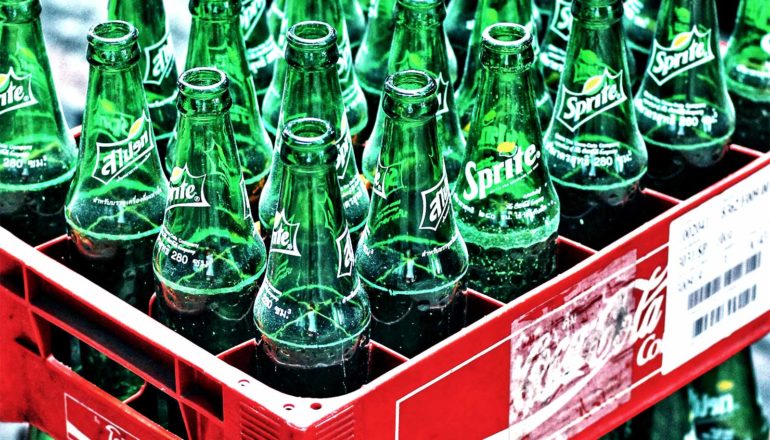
{"x": 327, "y": 11}
{"x": 23, "y": 11}
{"x": 701, "y": 13}
{"x": 604, "y": 36}
{"x": 313, "y": 91}
{"x": 423, "y": 34}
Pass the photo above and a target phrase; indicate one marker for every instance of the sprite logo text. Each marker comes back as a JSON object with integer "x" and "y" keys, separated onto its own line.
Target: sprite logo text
{"x": 15, "y": 91}
{"x": 345, "y": 254}
{"x": 506, "y": 171}
{"x": 705, "y": 406}
{"x": 119, "y": 159}
{"x": 435, "y": 205}
{"x": 561, "y": 24}
{"x": 284, "y": 238}
{"x": 186, "y": 190}
{"x": 688, "y": 50}
{"x": 160, "y": 60}
{"x": 600, "y": 93}
{"x": 250, "y": 13}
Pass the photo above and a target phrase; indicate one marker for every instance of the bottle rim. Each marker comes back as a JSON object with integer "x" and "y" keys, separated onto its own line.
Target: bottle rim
{"x": 19, "y": 11}
{"x": 114, "y": 33}
{"x": 411, "y": 85}
{"x": 308, "y": 134}
{"x": 506, "y": 38}
{"x": 312, "y": 35}
{"x": 203, "y": 80}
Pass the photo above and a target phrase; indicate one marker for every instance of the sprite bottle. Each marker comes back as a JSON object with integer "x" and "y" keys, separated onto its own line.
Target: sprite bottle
{"x": 208, "y": 257}
{"x": 593, "y": 148}
{"x": 725, "y": 404}
{"x": 311, "y": 312}
{"x": 37, "y": 154}
{"x": 157, "y": 64}
{"x": 216, "y": 40}
{"x": 275, "y": 16}
{"x": 115, "y": 205}
{"x": 748, "y": 74}
{"x": 669, "y": 419}
{"x": 418, "y": 43}
{"x": 354, "y": 17}
{"x": 640, "y": 23}
{"x": 490, "y": 12}
{"x": 459, "y": 24}
{"x": 507, "y": 208}
{"x": 326, "y": 11}
{"x": 684, "y": 111}
{"x": 261, "y": 48}
{"x": 411, "y": 257}
{"x": 313, "y": 88}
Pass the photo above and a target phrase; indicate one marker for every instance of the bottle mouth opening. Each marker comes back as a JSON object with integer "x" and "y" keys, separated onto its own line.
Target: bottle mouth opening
{"x": 312, "y": 34}
{"x": 307, "y": 134}
{"x": 410, "y": 84}
{"x": 507, "y": 37}
{"x": 203, "y": 80}
{"x": 116, "y": 33}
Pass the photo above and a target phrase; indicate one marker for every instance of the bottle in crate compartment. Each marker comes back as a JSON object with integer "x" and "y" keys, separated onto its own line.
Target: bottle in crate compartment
{"x": 418, "y": 43}
{"x": 747, "y": 63}
{"x": 115, "y": 205}
{"x": 593, "y": 149}
{"x": 216, "y": 40}
{"x": 507, "y": 208}
{"x": 411, "y": 256}
{"x": 311, "y": 312}
{"x": 37, "y": 154}
{"x": 208, "y": 258}
{"x": 312, "y": 87}
{"x": 684, "y": 111}
{"x": 157, "y": 63}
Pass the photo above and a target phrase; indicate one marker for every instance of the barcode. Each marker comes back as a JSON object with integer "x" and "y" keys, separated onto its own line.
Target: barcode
{"x": 751, "y": 264}
{"x": 716, "y": 315}
{"x": 704, "y": 292}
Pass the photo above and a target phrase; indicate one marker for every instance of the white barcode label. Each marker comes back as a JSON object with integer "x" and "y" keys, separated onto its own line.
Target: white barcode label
{"x": 715, "y": 267}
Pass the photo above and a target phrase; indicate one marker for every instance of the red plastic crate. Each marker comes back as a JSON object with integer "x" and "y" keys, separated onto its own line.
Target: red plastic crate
{"x": 573, "y": 358}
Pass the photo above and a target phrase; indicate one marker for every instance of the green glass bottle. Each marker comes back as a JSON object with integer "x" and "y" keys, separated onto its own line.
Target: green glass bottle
{"x": 157, "y": 63}
{"x": 490, "y": 12}
{"x": 418, "y": 43}
{"x": 313, "y": 88}
{"x": 459, "y": 24}
{"x": 37, "y": 154}
{"x": 275, "y": 16}
{"x": 354, "y": 17}
{"x": 684, "y": 111}
{"x": 507, "y": 208}
{"x": 208, "y": 257}
{"x": 216, "y": 40}
{"x": 593, "y": 148}
{"x": 326, "y": 11}
{"x": 411, "y": 257}
{"x": 640, "y": 24}
{"x": 553, "y": 54}
{"x": 261, "y": 49}
{"x": 115, "y": 205}
{"x": 725, "y": 403}
{"x": 747, "y": 63}
{"x": 669, "y": 419}
{"x": 311, "y": 312}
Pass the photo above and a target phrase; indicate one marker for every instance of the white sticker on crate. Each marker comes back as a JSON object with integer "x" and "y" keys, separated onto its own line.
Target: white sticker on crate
{"x": 719, "y": 258}
{"x": 83, "y": 423}
{"x": 566, "y": 362}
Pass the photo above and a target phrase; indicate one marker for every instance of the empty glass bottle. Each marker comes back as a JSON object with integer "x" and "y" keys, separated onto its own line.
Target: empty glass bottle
{"x": 157, "y": 64}
{"x": 313, "y": 88}
{"x": 490, "y": 12}
{"x": 208, "y": 257}
{"x": 311, "y": 312}
{"x": 684, "y": 111}
{"x": 747, "y": 62}
{"x": 261, "y": 49}
{"x": 37, "y": 154}
{"x": 216, "y": 41}
{"x": 507, "y": 208}
{"x": 326, "y": 11}
{"x": 418, "y": 43}
{"x": 594, "y": 151}
{"x": 115, "y": 205}
{"x": 411, "y": 256}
